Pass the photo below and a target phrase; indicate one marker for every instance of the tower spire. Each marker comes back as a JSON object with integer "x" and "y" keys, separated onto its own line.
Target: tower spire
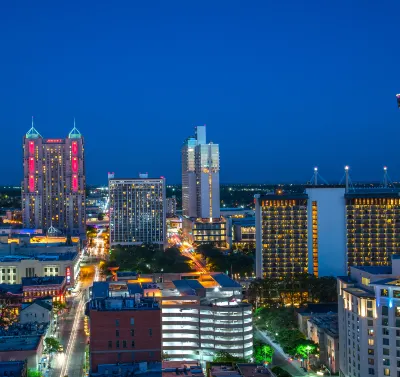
{"x": 32, "y": 133}
{"x": 74, "y": 134}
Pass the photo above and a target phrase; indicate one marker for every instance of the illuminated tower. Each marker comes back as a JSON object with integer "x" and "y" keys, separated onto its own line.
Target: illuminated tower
{"x": 53, "y": 189}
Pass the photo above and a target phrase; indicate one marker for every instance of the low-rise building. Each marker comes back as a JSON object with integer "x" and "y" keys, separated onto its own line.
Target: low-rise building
{"x": 237, "y": 370}
{"x": 312, "y": 311}
{"x": 36, "y": 311}
{"x": 14, "y": 368}
{"x": 49, "y": 286}
{"x": 323, "y": 330}
{"x": 15, "y": 267}
{"x": 23, "y": 347}
{"x": 125, "y": 327}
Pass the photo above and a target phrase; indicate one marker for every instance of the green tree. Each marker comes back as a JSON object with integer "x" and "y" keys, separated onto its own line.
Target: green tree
{"x": 57, "y": 306}
{"x": 51, "y": 345}
{"x": 263, "y": 353}
{"x": 34, "y": 373}
{"x": 280, "y": 372}
{"x": 306, "y": 348}
{"x": 225, "y": 357}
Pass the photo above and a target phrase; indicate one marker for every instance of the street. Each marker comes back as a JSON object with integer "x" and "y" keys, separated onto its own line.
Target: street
{"x": 71, "y": 331}
{"x": 280, "y": 359}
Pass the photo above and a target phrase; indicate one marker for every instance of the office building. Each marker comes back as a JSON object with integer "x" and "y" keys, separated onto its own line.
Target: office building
{"x": 171, "y": 206}
{"x": 200, "y": 191}
{"x": 203, "y": 316}
{"x": 369, "y": 321}
{"x": 125, "y": 327}
{"x": 200, "y": 177}
{"x": 137, "y": 211}
{"x": 53, "y": 188}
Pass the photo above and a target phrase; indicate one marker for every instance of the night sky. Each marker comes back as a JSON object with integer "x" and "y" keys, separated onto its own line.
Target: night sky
{"x": 281, "y": 85}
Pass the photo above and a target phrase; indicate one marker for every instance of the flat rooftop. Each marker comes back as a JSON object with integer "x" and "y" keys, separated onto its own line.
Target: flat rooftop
{"x": 68, "y": 256}
{"x": 46, "y": 280}
{"x": 359, "y": 292}
{"x": 19, "y": 343}
{"x": 12, "y": 368}
{"x": 375, "y": 270}
{"x": 186, "y": 368}
{"x": 327, "y": 322}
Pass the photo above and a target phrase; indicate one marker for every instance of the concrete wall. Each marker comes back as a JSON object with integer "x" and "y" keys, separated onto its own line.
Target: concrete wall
{"x": 332, "y": 259}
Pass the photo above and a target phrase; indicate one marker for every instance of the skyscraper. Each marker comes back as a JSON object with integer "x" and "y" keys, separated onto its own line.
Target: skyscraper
{"x": 200, "y": 190}
{"x": 53, "y": 188}
{"x": 137, "y": 211}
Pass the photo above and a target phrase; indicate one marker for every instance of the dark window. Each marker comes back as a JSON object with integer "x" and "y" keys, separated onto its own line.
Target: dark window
{"x": 385, "y": 331}
{"x": 385, "y": 322}
{"x": 386, "y": 361}
{"x": 371, "y": 371}
{"x": 386, "y": 351}
{"x": 124, "y": 343}
{"x": 385, "y": 310}
{"x": 370, "y": 351}
{"x": 117, "y": 322}
{"x": 370, "y": 322}
{"x": 385, "y": 341}
{"x": 109, "y": 344}
{"x": 117, "y": 343}
{"x": 150, "y": 332}
{"x": 116, "y": 332}
{"x": 132, "y": 332}
{"x": 133, "y": 344}
{"x": 369, "y": 304}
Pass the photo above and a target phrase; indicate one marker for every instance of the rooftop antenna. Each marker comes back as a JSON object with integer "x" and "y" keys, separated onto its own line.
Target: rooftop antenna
{"x": 346, "y": 172}
{"x": 316, "y": 177}
{"x": 385, "y": 177}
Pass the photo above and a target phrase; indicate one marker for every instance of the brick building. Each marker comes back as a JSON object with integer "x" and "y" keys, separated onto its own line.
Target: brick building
{"x": 124, "y": 326}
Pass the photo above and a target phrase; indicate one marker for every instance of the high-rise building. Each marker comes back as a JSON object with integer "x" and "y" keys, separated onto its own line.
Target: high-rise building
{"x": 53, "y": 188}
{"x": 137, "y": 211}
{"x": 200, "y": 191}
{"x": 326, "y": 230}
{"x": 200, "y": 177}
{"x": 171, "y": 206}
{"x": 369, "y": 321}
{"x": 125, "y": 326}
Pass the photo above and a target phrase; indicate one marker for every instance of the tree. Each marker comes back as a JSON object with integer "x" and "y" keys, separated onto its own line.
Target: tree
{"x": 51, "y": 345}
{"x": 100, "y": 216}
{"x": 225, "y": 357}
{"x": 34, "y": 373}
{"x": 263, "y": 353}
{"x": 279, "y": 372}
{"x": 57, "y": 306}
{"x": 306, "y": 348}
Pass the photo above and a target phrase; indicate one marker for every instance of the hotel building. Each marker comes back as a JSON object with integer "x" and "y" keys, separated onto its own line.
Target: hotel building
{"x": 369, "y": 321}
{"x": 306, "y": 232}
{"x": 53, "y": 188}
{"x": 137, "y": 211}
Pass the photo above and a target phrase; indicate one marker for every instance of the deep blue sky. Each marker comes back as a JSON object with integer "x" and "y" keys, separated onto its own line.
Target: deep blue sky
{"x": 281, "y": 85}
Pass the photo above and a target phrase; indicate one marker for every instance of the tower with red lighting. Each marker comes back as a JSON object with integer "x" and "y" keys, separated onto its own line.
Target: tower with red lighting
{"x": 53, "y": 188}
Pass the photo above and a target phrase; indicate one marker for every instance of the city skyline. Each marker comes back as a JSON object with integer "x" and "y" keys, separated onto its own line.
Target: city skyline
{"x": 139, "y": 74}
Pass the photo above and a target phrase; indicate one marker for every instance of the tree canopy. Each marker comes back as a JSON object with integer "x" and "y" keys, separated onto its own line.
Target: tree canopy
{"x": 147, "y": 259}
{"x": 225, "y": 357}
{"x": 51, "y": 345}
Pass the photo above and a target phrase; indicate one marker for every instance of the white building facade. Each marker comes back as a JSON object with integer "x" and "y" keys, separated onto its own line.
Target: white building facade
{"x": 369, "y": 321}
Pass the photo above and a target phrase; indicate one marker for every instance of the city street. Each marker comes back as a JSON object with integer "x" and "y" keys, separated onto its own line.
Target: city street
{"x": 71, "y": 331}
{"x": 281, "y": 359}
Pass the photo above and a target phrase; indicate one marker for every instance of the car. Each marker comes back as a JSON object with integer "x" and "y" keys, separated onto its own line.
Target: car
{"x": 60, "y": 348}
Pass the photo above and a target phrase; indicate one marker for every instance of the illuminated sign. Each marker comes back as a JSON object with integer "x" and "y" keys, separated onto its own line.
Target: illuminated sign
{"x": 75, "y": 183}
{"x": 68, "y": 274}
{"x": 31, "y": 148}
{"x": 75, "y": 164}
{"x": 31, "y": 183}
{"x": 54, "y": 141}
{"x": 31, "y": 165}
{"x": 74, "y": 148}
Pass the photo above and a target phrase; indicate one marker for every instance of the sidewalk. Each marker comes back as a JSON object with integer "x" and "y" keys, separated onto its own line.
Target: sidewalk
{"x": 294, "y": 364}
